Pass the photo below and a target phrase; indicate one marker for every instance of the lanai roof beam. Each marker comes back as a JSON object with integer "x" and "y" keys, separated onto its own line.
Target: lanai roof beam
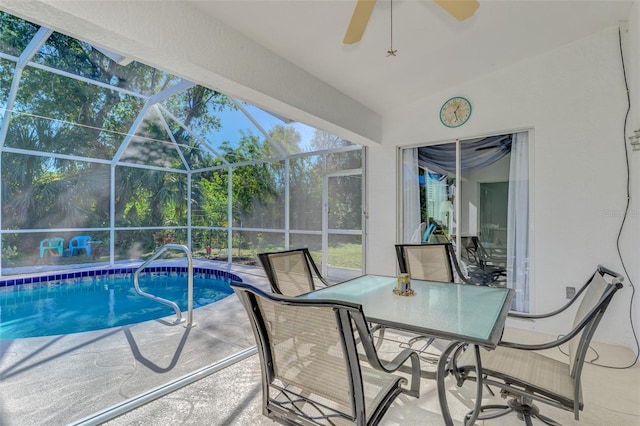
{"x": 32, "y": 48}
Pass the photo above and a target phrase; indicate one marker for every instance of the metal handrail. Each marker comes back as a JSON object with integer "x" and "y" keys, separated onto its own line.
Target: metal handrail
{"x": 173, "y": 305}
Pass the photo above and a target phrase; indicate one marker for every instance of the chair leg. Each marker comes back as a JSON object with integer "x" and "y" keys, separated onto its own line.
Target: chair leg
{"x": 491, "y": 392}
{"x": 491, "y": 411}
{"x": 524, "y": 407}
{"x": 547, "y": 420}
{"x": 525, "y": 410}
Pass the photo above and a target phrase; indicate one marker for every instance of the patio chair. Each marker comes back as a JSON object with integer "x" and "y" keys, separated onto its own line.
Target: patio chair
{"x": 55, "y": 244}
{"x": 525, "y": 375}
{"x": 291, "y": 272}
{"x": 431, "y": 262}
{"x": 496, "y": 261}
{"x": 481, "y": 267}
{"x": 79, "y": 243}
{"x": 311, "y": 372}
{"x": 428, "y": 231}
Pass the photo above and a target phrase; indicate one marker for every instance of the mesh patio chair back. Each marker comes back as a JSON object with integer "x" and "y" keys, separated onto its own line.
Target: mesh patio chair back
{"x": 311, "y": 372}
{"x": 426, "y": 261}
{"x": 431, "y": 262}
{"x": 291, "y": 272}
{"x": 468, "y": 251}
{"x": 596, "y": 291}
{"x": 480, "y": 270}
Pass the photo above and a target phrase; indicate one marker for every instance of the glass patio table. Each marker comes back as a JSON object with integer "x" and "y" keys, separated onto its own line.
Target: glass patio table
{"x": 461, "y": 313}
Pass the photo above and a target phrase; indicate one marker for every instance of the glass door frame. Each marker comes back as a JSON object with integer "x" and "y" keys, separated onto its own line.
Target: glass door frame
{"x": 530, "y": 140}
{"x": 325, "y": 211}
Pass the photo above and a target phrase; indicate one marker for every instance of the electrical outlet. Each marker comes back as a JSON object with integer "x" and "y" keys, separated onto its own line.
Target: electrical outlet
{"x": 571, "y": 292}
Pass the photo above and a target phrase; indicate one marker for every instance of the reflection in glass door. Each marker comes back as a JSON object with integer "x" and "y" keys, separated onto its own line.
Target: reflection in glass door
{"x": 460, "y": 192}
{"x": 494, "y": 202}
{"x": 437, "y": 213}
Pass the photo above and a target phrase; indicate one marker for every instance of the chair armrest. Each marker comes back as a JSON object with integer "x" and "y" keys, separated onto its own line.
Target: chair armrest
{"x": 548, "y": 314}
{"x": 617, "y": 278}
{"x": 551, "y": 344}
{"x": 537, "y": 316}
{"x": 397, "y": 362}
{"x": 393, "y": 365}
{"x": 536, "y": 347}
{"x": 577, "y": 329}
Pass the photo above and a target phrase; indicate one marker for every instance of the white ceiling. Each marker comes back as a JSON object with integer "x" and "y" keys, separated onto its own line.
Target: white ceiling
{"x": 435, "y": 51}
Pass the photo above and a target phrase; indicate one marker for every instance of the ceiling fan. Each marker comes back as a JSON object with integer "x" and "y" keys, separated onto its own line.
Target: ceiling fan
{"x": 459, "y": 9}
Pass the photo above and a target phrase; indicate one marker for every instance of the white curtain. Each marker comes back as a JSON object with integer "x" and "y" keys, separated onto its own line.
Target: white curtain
{"x": 411, "y": 196}
{"x": 518, "y": 223}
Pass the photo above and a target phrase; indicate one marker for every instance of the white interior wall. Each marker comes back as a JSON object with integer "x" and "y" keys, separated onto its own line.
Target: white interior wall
{"x": 470, "y": 193}
{"x": 469, "y": 207}
{"x": 574, "y": 100}
{"x": 631, "y": 238}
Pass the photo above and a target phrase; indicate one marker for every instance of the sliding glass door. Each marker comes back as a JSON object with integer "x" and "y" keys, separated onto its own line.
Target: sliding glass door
{"x": 473, "y": 193}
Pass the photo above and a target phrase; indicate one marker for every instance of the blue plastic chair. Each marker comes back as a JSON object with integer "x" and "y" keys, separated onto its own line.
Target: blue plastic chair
{"x": 55, "y": 243}
{"x": 78, "y": 243}
{"x": 427, "y": 233}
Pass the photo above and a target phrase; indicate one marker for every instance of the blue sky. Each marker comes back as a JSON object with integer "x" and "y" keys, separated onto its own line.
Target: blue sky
{"x": 235, "y": 121}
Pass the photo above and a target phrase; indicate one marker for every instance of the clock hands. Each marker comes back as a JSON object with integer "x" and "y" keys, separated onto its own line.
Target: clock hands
{"x": 455, "y": 114}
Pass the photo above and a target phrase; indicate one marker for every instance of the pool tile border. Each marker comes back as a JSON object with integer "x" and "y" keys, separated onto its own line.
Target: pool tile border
{"x": 200, "y": 272}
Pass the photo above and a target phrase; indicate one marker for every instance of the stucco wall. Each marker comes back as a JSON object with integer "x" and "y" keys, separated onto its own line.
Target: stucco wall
{"x": 573, "y": 100}
{"x": 631, "y": 238}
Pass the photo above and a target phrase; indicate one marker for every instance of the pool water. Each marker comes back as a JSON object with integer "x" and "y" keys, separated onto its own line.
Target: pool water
{"x": 53, "y": 308}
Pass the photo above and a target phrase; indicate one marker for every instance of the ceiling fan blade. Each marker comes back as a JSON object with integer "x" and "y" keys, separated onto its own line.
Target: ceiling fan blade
{"x": 459, "y": 9}
{"x": 359, "y": 20}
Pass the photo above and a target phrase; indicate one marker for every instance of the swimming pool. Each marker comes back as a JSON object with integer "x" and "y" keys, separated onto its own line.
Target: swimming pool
{"x": 93, "y": 300}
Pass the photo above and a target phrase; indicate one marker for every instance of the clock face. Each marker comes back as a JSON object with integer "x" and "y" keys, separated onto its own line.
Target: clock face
{"x": 455, "y": 112}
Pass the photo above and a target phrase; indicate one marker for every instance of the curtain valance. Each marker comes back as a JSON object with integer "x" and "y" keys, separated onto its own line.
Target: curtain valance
{"x": 474, "y": 155}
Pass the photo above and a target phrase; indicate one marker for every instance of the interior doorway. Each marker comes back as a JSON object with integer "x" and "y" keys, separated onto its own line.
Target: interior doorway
{"x": 494, "y": 204}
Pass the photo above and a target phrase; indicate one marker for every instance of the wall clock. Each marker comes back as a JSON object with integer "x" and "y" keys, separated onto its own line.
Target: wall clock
{"x": 455, "y": 112}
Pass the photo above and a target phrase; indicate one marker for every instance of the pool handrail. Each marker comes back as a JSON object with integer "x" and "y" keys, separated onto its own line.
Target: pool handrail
{"x": 169, "y": 303}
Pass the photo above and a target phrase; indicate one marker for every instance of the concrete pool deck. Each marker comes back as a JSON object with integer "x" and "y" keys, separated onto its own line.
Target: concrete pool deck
{"x": 63, "y": 379}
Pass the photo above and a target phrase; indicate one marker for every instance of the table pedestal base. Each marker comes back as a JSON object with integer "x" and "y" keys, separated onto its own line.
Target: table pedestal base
{"x": 525, "y": 410}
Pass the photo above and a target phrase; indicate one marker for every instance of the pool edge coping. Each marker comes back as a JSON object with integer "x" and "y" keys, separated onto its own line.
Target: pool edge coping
{"x": 97, "y": 272}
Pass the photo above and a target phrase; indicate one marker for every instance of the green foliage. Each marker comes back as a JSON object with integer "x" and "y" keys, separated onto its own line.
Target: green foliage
{"x": 16, "y": 33}
{"x": 9, "y": 252}
{"x": 342, "y": 255}
{"x": 164, "y": 237}
{"x": 56, "y": 114}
